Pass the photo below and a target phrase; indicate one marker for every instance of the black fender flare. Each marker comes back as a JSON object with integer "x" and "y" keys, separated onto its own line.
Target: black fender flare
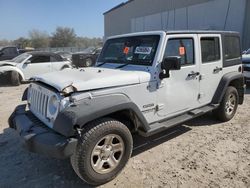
{"x": 225, "y": 82}
{"x": 90, "y": 109}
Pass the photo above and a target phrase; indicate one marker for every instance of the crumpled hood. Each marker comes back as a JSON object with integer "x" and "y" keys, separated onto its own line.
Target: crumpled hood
{"x": 9, "y": 63}
{"x": 92, "y": 78}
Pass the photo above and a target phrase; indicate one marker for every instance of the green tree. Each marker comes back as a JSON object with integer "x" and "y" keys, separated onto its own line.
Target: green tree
{"x": 63, "y": 37}
{"x": 39, "y": 39}
{"x": 22, "y": 42}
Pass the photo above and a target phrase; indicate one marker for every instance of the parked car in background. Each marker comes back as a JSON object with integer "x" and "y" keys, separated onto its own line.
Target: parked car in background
{"x": 246, "y": 53}
{"x": 86, "y": 58}
{"x": 65, "y": 55}
{"x": 8, "y": 52}
{"x": 24, "y": 50}
{"x": 26, "y": 65}
{"x": 246, "y": 64}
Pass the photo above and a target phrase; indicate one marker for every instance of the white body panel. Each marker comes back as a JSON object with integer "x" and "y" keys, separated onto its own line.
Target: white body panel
{"x": 210, "y": 78}
{"x": 179, "y": 93}
{"x": 33, "y": 69}
{"x": 29, "y": 70}
{"x": 93, "y": 78}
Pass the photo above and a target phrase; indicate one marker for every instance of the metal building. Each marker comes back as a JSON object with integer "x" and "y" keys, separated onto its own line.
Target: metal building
{"x": 146, "y": 15}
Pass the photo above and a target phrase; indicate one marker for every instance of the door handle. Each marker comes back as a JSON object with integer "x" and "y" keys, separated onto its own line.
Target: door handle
{"x": 193, "y": 74}
{"x": 218, "y": 69}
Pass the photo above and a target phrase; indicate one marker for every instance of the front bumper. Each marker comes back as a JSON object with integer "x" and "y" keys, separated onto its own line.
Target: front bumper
{"x": 38, "y": 138}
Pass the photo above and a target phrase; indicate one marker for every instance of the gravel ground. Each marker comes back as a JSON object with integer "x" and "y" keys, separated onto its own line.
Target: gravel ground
{"x": 200, "y": 153}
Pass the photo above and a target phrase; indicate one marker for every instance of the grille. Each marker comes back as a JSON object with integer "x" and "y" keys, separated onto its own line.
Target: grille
{"x": 38, "y": 101}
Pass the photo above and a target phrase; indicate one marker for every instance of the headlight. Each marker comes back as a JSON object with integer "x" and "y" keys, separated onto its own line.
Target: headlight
{"x": 53, "y": 105}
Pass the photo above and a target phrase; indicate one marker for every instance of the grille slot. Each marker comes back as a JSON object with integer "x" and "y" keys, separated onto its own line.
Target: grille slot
{"x": 38, "y": 101}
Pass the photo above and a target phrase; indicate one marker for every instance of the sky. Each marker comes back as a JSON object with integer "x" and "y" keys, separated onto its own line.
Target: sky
{"x": 18, "y": 17}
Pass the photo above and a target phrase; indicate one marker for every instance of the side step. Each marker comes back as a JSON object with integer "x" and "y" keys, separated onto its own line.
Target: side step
{"x": 168, "y": 123}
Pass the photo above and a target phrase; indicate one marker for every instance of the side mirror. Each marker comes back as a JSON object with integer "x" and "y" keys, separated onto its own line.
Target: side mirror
{"x": 27, "y": 62}
{"x": 170, "y": 63}
{"x": 1, "y": 53}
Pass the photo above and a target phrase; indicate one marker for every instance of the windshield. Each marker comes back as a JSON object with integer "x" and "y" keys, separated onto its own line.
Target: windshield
{"x": 89, "y": 50}
{"x": 248, "y": 51}
{"x": 139, "y": 50}
{"x": 64, "y": 54}
{"x": 20, "y": 58}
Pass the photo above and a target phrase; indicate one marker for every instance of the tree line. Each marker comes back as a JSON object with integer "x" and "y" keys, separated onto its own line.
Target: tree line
{"x": 62, "y": 37}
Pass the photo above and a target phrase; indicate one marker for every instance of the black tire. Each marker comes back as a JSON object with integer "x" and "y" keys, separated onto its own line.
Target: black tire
{"x": 88, "y": 62}
{"x": 223, "y": 113}
{"x": 11, "y": 122}
{"x": 15, "y": 78}
{"x": 82, "y": 159}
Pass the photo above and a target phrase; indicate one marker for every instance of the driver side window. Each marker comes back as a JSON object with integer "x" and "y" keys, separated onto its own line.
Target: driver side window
{"x": 183, "y": 48}
{"x": 40, "y": 59}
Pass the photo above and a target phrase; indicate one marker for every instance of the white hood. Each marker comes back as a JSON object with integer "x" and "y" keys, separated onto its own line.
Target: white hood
{"x": 92, "y": 78}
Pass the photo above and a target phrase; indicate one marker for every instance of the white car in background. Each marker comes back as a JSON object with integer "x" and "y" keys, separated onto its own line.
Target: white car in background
{"x": 30, "y": 64}
{"x": 246, "y": 64}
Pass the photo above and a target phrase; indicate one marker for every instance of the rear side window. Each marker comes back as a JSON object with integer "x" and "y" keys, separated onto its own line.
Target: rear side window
{"x": 40, "y": 59}
{"x": 232, "y": 47}
{"x": 13, "y": 51}
{"x": 183, "y": 48}
{"x": 210, "y": 49}
{"x": 55, "y": 58}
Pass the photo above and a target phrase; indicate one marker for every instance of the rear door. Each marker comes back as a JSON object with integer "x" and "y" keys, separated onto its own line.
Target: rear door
{"x": 38, "y": 64}
{"x": 211, "y": 66}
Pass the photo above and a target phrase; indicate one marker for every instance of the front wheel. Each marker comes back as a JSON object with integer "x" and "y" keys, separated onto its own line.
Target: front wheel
{"x": 228, "y": 106}
{"x": 103, "y": 152}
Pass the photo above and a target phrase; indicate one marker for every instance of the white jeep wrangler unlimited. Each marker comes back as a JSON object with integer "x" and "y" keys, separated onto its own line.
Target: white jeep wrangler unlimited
{"x": 143, "y": 83}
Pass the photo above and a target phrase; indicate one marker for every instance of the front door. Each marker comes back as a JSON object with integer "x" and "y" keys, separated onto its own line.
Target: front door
{"x": 179, "y": 93}
{"x": 211, "y": 66}
{"x": 36, "y": 65}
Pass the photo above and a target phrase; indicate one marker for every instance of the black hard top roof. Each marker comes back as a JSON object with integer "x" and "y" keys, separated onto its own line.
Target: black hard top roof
{"x": 41, "y": 53}
{"x": 202, "y": 32}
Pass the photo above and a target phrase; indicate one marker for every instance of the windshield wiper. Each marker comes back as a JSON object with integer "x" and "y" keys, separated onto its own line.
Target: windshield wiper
{"x": 121, "y": 66}
{"x": 101, "y": 64}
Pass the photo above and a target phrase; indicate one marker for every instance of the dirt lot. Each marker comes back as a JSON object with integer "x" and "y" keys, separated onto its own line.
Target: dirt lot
{"x": 201, "y": 153}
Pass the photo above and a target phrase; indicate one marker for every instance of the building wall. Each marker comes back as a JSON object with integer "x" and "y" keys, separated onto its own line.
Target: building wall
{"x": 146, "y": 15}
{"x": 118, "y": 21}
{"x": 246, "y": 32}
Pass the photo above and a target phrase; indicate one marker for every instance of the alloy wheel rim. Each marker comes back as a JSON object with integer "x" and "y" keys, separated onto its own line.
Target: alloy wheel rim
{"x": 107, "y": 154}
{"x": 230, "y": 104}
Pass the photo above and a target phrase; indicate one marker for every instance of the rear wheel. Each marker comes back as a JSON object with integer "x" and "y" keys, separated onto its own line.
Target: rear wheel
{"x": 228, "y": 106}
{"x": 105, "y": 148}
{"x": 15, "y": 78}
{"x": 88, "y": 62}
